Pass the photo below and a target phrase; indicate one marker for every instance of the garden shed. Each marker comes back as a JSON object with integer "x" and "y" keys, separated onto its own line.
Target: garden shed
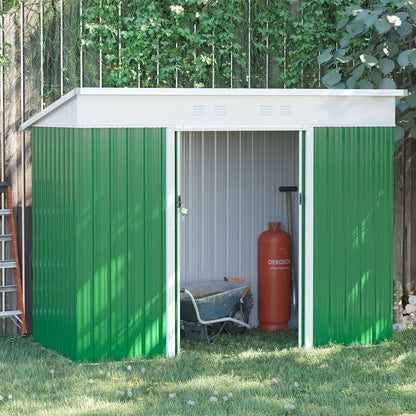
{"x": 111, "y": 248}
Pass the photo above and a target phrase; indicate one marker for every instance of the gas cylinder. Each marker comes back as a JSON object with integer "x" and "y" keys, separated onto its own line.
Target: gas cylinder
{"x": 274, "y": 278}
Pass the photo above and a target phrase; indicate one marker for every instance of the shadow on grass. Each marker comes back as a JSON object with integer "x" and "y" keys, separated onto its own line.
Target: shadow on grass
{"x": 263, "y": 370}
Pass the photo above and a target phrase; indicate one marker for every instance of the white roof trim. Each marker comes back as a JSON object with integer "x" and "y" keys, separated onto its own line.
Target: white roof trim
{"x": 198, "y": 93}
{"x": 58, "y": 103}
{"x": 239, "y": 91}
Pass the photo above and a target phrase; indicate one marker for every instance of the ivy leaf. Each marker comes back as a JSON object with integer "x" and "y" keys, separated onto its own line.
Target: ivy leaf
{"x": 340, "y": 56}
{"x": 402, "y": 106}
{"x": 351, "y": 82}
{"x": 406, "y": 122}
{"x": 345, "y": 41}
{"x": 412, "y": 15}
{"x": 344, "y": 59}
{"x": 362, "y": 14}
{"x": 375, "y": 76}
{"x": 412, "y": 58}
{"x": 413, "y": 132}
{"x": 402, "y": 16}
{"x": 387, "y": 84}
{"x": 325, "y": 56}
{"x": 358, "y": 71}
{"x": 339, "y": 53}
{"x": 398, "y": 133}
{"x": 386, "y": 65}
{"x": 353, "y": 10}
{"x": 342, "y": 23}
{"x": 392, "y": 50}
{"x": 367, "y": 17}
{"x": 370, "y": 49}
{"x": 368, "y": 60}
{"x": 382, "y": 25}
{"x": 403, "y": 58}
{"x": 405, "y": 29}
{"x": 411, "y": 100}
{"x": 331, "y": 79}
{"x": 365, "y": 84}
{"x": 356, "y": 28}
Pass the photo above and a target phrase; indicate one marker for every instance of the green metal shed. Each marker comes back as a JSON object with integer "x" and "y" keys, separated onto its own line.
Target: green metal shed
{"x": 111, "y": 249}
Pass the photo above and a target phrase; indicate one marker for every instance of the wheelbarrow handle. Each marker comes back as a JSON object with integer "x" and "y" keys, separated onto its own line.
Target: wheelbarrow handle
{"x": 288, "y": 188}
{"x": 212, "y": 321}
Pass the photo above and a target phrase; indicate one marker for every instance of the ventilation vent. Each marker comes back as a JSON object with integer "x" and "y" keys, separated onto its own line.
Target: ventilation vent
{"x": 266, "y": 110}
{"x": 219, "y": 110}
{"x": 198, "y": 110}
{"x": 285, "y": 110}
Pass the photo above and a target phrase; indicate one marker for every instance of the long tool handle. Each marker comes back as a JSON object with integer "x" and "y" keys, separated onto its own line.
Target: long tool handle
{"x": 289, "y": 215}
{"x": 289, "y": 190}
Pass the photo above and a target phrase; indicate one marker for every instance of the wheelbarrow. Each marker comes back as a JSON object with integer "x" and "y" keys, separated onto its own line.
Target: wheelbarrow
{"x": 216, "y": 304}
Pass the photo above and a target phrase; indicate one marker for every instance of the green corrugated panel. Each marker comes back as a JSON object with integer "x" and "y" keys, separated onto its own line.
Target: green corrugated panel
{"x": 155, "y": 232}
{"x": 36, "y": 250}
{"x": 353, "y": 234}
{"x": 136, "y": 239}
{"x": 84, "y": 215}
{"x": 99, "y": 241}
{"x": 102, "y": 239}
{"x": 53, "y": 276}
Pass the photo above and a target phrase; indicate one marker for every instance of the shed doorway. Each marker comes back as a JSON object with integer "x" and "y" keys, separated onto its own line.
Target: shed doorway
{"x": 229, "y": 182}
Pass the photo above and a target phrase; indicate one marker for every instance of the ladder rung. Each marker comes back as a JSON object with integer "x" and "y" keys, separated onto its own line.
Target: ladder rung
{"x": 16, "y": 316}
{"x": 8, "y": 314}
{"x": 5, "y": 237}
{"x": 7, "y": 264}
{"x": 8, "y": 288}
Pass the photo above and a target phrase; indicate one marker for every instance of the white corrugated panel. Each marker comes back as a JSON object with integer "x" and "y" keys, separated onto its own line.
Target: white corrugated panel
{"x": 230, "y": 183}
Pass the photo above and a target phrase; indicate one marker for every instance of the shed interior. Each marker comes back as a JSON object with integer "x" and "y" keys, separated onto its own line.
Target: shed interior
{"x": 229, "y": 181}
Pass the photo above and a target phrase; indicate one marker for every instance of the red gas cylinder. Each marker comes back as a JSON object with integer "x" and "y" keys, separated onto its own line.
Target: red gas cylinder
{"x": 274, "y": 278}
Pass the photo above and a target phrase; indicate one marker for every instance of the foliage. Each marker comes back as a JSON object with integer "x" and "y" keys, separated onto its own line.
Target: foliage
{"x": 51, "y": 53}
{"x": 211, "y": 43}
{"x": 377, "y": 50}
{"x": 10, "y": 7}
{"x": 178, "y": 43}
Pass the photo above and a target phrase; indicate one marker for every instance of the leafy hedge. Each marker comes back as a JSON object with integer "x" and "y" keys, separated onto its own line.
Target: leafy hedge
{"x": 211, "y": 43}
{"x": 377, "y": 49}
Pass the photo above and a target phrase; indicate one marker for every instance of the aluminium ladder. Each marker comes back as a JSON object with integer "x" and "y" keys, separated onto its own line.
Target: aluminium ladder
{"x": 17, "y": 315}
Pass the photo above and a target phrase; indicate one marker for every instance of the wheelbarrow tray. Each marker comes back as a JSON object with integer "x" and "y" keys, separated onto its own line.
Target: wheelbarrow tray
{"x": 215, "y": 300}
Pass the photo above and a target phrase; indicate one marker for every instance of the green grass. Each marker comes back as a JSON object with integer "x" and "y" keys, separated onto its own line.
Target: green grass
{"x": 263, "y": 372}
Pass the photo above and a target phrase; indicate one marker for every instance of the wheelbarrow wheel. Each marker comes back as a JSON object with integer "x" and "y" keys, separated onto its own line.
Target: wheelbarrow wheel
{"x": 240, "y": 312}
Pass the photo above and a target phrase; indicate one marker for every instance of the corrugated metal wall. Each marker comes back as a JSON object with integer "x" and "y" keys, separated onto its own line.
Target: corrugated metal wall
{"x": 54, "y": 239}
{"x": 99, "y": 241}
{"x": 353, "y": 234}
{"x": 230, "y": 183}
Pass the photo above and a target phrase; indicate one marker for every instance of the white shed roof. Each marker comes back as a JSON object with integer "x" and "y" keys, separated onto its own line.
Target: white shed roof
{"x": 222, "y": 108}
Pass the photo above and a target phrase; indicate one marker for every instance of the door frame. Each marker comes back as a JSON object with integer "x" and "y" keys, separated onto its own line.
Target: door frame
{"x": 306, "y": 242}
{"x": 305, "y": 260}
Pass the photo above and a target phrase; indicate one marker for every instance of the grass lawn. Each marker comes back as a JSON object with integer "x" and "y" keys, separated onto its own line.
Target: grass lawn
{"x": 257, "y": 373}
